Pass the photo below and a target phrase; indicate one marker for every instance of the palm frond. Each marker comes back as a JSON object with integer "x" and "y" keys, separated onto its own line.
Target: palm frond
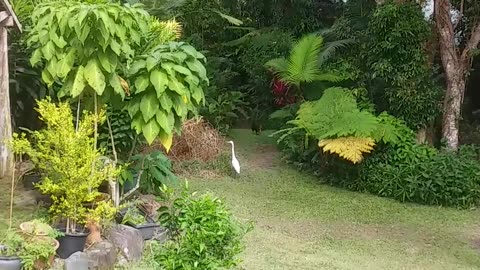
{"x": 302, "y": 63}
{"x": 230, "y": 19}
{"x": 279, "y": 66}
{"x": 330, "y": 49}
{"x": 329, "y": 77}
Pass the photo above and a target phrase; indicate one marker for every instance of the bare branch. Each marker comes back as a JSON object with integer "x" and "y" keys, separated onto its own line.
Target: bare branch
{"x": 472, "y": 43}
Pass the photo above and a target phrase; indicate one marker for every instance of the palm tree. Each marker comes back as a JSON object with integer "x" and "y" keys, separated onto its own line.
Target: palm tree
{"x": 304, "y": 62}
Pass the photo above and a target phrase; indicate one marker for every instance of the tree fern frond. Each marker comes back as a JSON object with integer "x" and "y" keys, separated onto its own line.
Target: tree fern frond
{"x": 284, "y": 113}
{"x": 349, "y": 148}
{"x": 330, "y": 49}
{"x": 302, "y": 63}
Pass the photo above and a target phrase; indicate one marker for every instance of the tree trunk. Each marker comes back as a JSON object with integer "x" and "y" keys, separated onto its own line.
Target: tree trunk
{"x": 456, "y": 63}
{"x": 452, "y": 111}
{"x": 6, "y": 156}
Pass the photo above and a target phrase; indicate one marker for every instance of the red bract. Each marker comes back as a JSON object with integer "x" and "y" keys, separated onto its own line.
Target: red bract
{"x": 279, "y": 87}
{"x": 281, "y": 93}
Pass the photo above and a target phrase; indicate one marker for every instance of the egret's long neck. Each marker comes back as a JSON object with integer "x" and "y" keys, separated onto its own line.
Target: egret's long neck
{"x": 233, "y": 150}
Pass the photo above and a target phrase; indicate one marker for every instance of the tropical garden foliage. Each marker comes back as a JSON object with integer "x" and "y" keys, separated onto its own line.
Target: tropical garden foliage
{"x": 352, "y": 89}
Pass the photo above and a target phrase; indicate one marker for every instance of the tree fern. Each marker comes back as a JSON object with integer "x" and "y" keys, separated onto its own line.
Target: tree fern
{"x": 342, "y": 128}
{"x": 349, "y": 148}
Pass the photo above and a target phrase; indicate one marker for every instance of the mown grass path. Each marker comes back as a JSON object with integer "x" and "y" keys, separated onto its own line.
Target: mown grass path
{"x": 301, "y": 224}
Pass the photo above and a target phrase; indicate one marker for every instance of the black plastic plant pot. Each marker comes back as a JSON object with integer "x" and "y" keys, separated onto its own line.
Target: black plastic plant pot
{"x": 71, "y": 243}
{"x": 10, "y": 263}
{"x": 30, "y": 180}
{"x": 147, "y": 230}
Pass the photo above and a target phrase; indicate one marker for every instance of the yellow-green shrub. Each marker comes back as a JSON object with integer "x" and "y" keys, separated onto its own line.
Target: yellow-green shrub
{"x": 68, "y": 159}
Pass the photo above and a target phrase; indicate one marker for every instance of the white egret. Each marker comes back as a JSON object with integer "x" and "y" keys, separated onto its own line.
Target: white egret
{"x": 235, "y": 163}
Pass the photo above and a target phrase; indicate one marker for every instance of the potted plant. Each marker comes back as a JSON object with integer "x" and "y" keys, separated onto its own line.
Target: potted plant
{"x": 38, "y": 253}
{"x": 71, "y": 166}
{"x": 27, "y": 252}
{"x": 36, "y": 227}
{"x": 9, "y": 247}
{"x": 132, "y": 216}
{"x": 31, "y": 179}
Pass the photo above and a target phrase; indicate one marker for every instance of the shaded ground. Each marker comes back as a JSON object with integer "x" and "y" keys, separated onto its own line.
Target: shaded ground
{"x": 301, "y": 224}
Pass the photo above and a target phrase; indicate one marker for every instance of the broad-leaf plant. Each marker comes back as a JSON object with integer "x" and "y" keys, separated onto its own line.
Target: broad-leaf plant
{"x": 122, "y": 55}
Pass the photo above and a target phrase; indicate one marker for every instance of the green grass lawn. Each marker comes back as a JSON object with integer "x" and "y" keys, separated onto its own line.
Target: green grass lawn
{"x": 301, "y": 224}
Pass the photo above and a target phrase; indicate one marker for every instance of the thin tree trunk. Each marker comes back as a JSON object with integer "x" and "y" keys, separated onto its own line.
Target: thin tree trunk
{"x": 6, "y": 156}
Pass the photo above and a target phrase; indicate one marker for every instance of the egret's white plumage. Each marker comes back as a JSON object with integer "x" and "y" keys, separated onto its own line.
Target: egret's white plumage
{"x": 235, "y": 163}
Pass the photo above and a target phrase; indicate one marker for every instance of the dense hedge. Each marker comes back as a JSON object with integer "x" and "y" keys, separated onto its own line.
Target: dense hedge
{"x": 407, "y": 172}
{"x": 445, "y": 178}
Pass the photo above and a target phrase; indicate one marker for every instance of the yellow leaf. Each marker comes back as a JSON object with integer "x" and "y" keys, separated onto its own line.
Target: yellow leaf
{"x": 349, "y": 148}
{"x": 166, "y": 140}
{"x": 185, "y": 100}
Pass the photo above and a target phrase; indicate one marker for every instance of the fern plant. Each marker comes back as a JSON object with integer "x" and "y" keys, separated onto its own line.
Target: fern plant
{"x": 304, "y": 63}
{"x": 341, "y": 127}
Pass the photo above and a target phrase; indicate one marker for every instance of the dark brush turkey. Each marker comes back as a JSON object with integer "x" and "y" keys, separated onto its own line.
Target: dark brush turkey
{"x": 256, "y": 127}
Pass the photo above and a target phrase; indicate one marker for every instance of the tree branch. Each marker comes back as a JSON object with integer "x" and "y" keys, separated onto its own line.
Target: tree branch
{"x": 472, "y": 43}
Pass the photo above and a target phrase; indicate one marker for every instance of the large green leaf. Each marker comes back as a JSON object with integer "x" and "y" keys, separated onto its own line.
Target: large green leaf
{"x": 191, "y": 51}
{"x": 47, "y": 77}
{"x": 94, "y": 77}
{"x": 163, "y": 121}
{"x": 149, "y": 105}
{"x": 151, "y": 62}
{"x": 138, "y": 123}
{"x": 134, "y": 106}
{"x": 104, "y": 61}
{"x": 136, "y": 67}
{"x": 59, "y": 41}
{"x": 49, "y": 50}
{"x": 175, "y": 85}
{"x": 182, "y": 70}
{"x": 67, "y": 86}
{"x": 179, "y": 106}
{"x": 159, "y": 79}
{"x": 116, "y": 85}
{"x": 36, "y": 57}
{"x": 65, "y": 64}
{"x": 198, "y": 67}
{"x": 52, "y": 67}
{"x": 151, "y": 130}
{"x": 166, "y": 102}
{"x": 79, "y": 83}
{"x": 168, "y": 67}
{"x": 141, "y": 83}
{"x": 197, "y": 93}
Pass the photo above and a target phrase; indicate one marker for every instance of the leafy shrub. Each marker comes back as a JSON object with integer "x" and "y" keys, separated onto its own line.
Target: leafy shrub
{"x": 123, "y": 135}
{"x": 169, "y": 84}
{"x": 428, "y": 177}
{"x": 401, "y": 76}
{"x": 205, "y": 234}
{"x": 224, "y": 108}
{"x": 224, "y": 103}
{"x": 341, "y": 127}
{"x": 71, "y": 164}
{"x": 155, "y": 169}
